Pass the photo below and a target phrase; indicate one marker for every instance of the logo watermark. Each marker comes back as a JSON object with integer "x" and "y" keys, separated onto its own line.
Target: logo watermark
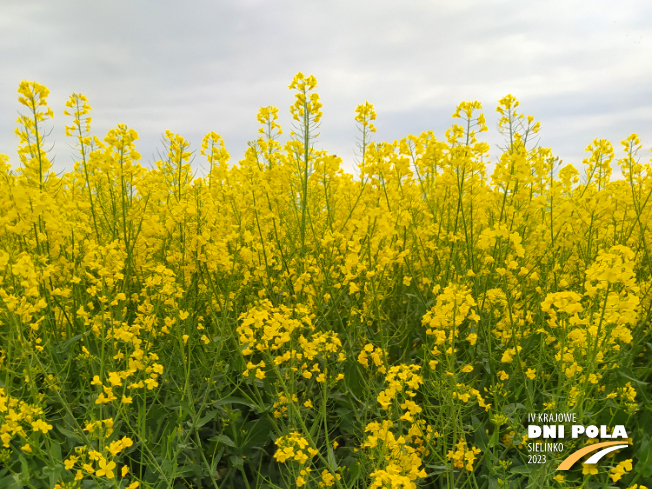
{"x": 551, "y": 430}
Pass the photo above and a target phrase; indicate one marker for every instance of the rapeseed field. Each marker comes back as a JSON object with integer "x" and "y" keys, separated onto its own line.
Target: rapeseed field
{"x": 279, "y": 323}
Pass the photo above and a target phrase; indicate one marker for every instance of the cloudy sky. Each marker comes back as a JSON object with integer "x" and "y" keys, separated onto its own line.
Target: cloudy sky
{"x": 583, "y": 69}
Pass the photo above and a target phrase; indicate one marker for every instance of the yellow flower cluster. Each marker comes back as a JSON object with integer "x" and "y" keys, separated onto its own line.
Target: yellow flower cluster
{"x": 401, "y": 379}
{"x": 454, "y": 305}
{"x": 293, "y": 447}
{"x": 464, "y": 393}
{"x": 463, "y": 457}
{"x": 99, "y": 464}
{"x": 402, "y": 463}
{"x": 376, "y": 354}
{"x": 267, "y": 329}
{"x": 306, "y": 104}
{"x": 619, "y": 470}
{"x": 16, "y": 416}
{"x": 364, "y": 115}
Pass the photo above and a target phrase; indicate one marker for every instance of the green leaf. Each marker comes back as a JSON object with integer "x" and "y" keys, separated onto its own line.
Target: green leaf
{"x": 65, "y": 346}
{"x": 186, "y": 470}
{"x": 11, "y": 482}
{"x": 53, "y": 474}
{"x": 437, "y": 469}
{"x": 70, "y": 434}
{"x": 56, "y": 449}
{"x": 257, "y": 432}
{"x": 224, "y": 440}
{"x": 236, "y": 400}
{"x": 215, "y": 461}
{"x": 331, "y": 459}
{"x": 644, "y": 464}
{"x": 205, "y": 419}
{"x": 236, "y": 461}
{"x": 481, "y": 438}
{"x": 24, "y": 467}
{"x": 629, "y": 377}
{"x": 353, "y": 379}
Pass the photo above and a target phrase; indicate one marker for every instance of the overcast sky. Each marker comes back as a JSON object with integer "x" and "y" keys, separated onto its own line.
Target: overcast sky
{"x": 583, "y": 69}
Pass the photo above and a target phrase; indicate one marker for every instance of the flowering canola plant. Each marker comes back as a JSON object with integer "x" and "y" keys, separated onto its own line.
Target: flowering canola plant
{"x": 277, "y": 322}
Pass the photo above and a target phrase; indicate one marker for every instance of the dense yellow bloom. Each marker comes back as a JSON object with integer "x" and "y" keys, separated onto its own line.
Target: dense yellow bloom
{"x": 402, "y": 461}
{"x": 423, "y": 295}
{"x": 401, "y": 379}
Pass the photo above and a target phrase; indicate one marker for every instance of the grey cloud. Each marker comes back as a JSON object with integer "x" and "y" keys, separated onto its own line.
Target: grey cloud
{"x": 202, "y": 66}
